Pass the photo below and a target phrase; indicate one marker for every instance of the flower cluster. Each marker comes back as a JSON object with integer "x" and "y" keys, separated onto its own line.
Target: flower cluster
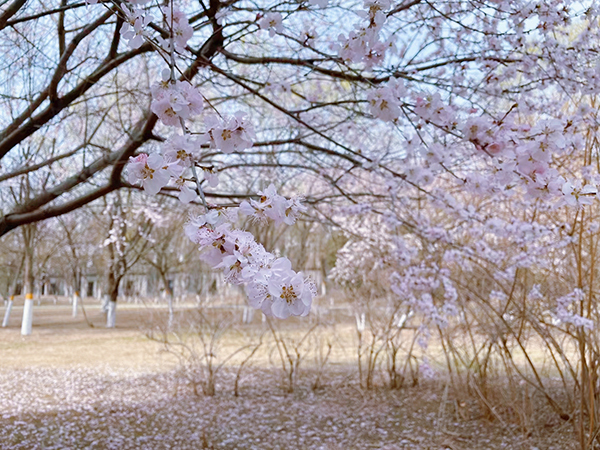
{"x": 271, "y": 284}
{"x": 567, "y": 302}
{"x": 273, "y": 206}
{"x": 385, "y": 102}
{"x": 173, "y": 101}
{"x": 524, "y": 155}
{"x": 364, "y": 44}
{"x": 153, "y": 172}
{"x": 431, "y": 108}
{"x": 134, "y": 26}
{"x": 480, "y": 131}
{"x": 231, "y": 134}
{"x": 180, "y": 28}
{"x": 418, "y": 285}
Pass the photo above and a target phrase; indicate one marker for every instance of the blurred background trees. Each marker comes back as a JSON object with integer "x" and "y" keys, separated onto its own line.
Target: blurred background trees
{"x": 450, "y": 165}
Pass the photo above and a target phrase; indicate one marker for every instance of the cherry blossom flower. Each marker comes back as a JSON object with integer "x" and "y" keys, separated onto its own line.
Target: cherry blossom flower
{"x": 551, "y": 132}
{"x": 384, "y": 104}
{"x": 172, "y": 102}
{"x": 285, "y": 292}
{"x": 364, "y": 44}
{"x": 577, "y": 195}
{"x": 233, "y": 134}
{"x": 182, "y": 30}
{"x": 375, "y": 11}
{"x": 211, "y": 178}
{"x": 431, "y": 108}
{"x": 186, "y": 194}
{"x": 134, "y": 28}
{"x": 259, "y": 297}
{"x": 210, "y": 220}
{"x": 151, "y": 170}
{"x": 273, "y": 206}
{"x": 245, "y": 260}
{"x": 564, "y": 307}
{"x": 184, "y": 150}
{"x": 308, "y": 37}
{"x": 272, "y": 22}
{"x": 292, "y": 295}
{"x": 166, "y": 112}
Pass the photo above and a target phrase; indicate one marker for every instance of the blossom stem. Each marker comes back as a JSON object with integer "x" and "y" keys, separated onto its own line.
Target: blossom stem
{"x": 199, "y": 188}
{"x": 172, "y": 49}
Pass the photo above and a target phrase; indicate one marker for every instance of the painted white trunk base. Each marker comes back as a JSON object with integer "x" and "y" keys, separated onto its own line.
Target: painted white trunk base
{"x": 111, "y": 316}
{"x": 171, "y": 312}
{"x": 7, "y": 314}
{"x": 27, "y": 317}
{"x": 247, "y": 315}
{"x": 75, "y": 304}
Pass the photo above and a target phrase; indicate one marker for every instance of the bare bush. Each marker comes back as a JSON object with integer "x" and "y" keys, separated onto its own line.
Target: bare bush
{"x": 199, "y": 345}
{"x": 292, "y": 349}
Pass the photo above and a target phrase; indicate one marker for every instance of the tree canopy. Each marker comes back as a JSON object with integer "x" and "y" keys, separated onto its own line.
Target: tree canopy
{"x": 363, "y": 100}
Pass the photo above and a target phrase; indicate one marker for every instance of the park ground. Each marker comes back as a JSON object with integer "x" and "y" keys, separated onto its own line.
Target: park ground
{"x": 72, "y": 386}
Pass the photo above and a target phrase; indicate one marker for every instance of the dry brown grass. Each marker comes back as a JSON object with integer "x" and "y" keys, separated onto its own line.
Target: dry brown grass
{"x": 60, "y": 341}
{"x": 70, "y": 385}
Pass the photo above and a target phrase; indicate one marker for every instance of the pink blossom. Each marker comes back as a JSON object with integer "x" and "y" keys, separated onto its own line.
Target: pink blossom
{"x": 211, "y": 178}
{"x": 273, "y": 206}
{"x": 151, "y": 170}
{"x": 577, "y": 195}
{"x": 292, "y": 295}
{"x": 134, "y": 28}
{"x": 272, "y": 22}
{"x": 172, "y": 102}
{"x": 182, "y": 30}
{"x": 233, "y": 134}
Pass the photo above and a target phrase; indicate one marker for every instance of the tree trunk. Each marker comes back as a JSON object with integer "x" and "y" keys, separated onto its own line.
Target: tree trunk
{"x": 111, "y": 314}
{"x": 11, "y": 294}
{"x": 169, "y": 298}
{"x": 113, "y": 293}
{"x": 26, "y": 323}
{"x": 76, "y": 288}
{"x": 170, "y": 302}
{"x": 9, "y": 306}
{"x": 75, "y": 303}
{"x": 247, "y": 315}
